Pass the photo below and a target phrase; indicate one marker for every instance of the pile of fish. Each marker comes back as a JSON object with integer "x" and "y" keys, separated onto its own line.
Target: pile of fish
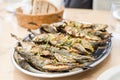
{"x": 60, "y": 47}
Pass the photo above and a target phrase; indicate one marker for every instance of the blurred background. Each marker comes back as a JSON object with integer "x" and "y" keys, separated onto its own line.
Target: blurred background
{"x": 86, "y": 4}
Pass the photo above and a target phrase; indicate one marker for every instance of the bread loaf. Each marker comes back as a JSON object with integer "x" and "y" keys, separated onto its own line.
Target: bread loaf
{"x": 42, "y": 7}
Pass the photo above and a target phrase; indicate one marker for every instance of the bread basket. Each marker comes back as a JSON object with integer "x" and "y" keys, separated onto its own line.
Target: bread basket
{"x": 34, "y": 21}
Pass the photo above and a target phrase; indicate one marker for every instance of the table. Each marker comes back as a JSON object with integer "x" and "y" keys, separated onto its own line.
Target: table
{"x": 9, "y": 25}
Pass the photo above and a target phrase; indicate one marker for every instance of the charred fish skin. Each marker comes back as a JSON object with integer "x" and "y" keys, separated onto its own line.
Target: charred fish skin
{"x": 44, "y": 65}
{"x": 35, "y": 60}
{"x": 60, "y": 67}
{"x": 24, "y": 44}
{"x": 40, "y": 38}
{"x": 24, "y": 64}
{"x": 58, "y": 41}
{"x": 63, "y": 58}
{"x": 100, "y": 27}
{"x": 48, "y": 28}
{"x": 81, "y": 48}
{"x": 73, "y": 30}
{"x": 41, "y": 63}
{"x": 71, "y": 58}
{"x": 87, "y": 45}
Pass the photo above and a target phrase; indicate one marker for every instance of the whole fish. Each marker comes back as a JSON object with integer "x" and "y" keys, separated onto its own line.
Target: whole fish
{"x": 36, "y": 60}
{"x": 24, "y": 64}
{"x": 72, "y": 57}
{"x": 60, "y": 67}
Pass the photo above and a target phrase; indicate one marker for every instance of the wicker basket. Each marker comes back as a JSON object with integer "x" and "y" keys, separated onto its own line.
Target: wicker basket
{"x": 35, "y": 21}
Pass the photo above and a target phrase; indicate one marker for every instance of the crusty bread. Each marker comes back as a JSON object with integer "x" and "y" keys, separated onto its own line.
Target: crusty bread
{"x": 42, "y": 7}
{"x": 51, "y": 9}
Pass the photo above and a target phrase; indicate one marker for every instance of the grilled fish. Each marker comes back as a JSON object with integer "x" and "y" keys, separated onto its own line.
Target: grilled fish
{"x": 60, "y": 47}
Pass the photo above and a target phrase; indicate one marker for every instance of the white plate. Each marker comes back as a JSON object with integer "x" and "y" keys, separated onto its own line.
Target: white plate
{"x": 111, "y": 74}
{"x": 102, "y": 55}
